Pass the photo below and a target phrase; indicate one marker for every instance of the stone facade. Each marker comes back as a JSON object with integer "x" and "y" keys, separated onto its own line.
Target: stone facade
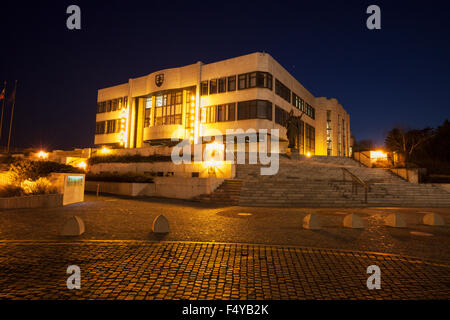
{"x": 133, "y": 106}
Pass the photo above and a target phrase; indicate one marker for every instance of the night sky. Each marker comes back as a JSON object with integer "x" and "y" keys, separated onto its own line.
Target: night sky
{"x": 397, "y": 75}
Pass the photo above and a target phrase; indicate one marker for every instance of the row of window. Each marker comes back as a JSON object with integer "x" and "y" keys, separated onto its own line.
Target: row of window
{"x": 220, "y": 113}
{"x": 108, "y": 126}
{"x": 252, "y": 109}
{"x": 282, "y": 91}
{"x": 300, "y": 104}
{"x": 256, "y": 79}
{"x": 112, "y": 105}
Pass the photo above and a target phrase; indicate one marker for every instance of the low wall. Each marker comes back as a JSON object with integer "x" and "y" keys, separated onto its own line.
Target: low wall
{"x": 165, "y": 187}
{"x": 222, "y": 170}
{"x": 445, "y": 186}
{"x": 36, "y": 201}
{"x": 121, "y": 188}
{"x": 413, "y": 175}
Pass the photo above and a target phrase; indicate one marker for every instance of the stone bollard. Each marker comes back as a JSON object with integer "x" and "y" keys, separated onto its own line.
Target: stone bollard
{"x": 74, "y": 226}
{"x": 160, "y": 224}
{"x": 312, "y": 222}
{"x": 395, "y": 220}
{"x": 353, "y": 221}
{"x": 433, "y": 219}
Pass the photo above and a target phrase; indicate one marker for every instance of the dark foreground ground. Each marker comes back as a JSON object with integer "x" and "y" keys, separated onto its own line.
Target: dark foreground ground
{"x": 219, "y": 253}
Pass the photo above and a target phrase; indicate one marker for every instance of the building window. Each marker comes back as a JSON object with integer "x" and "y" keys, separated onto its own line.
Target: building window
{"x": 255, "y": 109}
{"x": 204, "y": 88}
{"x": 329, "y": 135}
{"x": 111, "y": 126}
{"x": 310, "y": 139}
{"x": 100, "y": 127}
{"x": 344, "y": 149}
{"x": 222, "y": 85}
{"x": 282, "y": 91}
{"x": 339, "y": 136}
{"x": 242, "y": 81}
{"x": 212, "y": 86}
{"x": 280, "y": 116}
{"x": 255, "y": 79}
{"x": 148, "y": 111}
{"x": 264, "y": 80}
{"x": 232, "y": 83}
{"x": 231, "y": 111}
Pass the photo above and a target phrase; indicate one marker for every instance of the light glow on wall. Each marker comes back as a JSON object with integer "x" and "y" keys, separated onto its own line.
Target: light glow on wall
{"x": 105, "y": 150}
{"x": 378, "y": 155}
{"x": 42, "y": 155}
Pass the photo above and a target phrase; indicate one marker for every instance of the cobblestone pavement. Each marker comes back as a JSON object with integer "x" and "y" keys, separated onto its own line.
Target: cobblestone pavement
{"x": 112, "y": 218}
{"x": 189, "y": 270}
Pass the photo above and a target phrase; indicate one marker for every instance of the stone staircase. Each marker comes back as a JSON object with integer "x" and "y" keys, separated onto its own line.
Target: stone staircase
{"x": 319, "y": 182}
{"x": 227, "y": 193}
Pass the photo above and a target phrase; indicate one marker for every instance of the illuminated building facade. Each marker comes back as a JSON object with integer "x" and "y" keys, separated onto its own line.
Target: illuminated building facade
{"x": 248, "y": 92}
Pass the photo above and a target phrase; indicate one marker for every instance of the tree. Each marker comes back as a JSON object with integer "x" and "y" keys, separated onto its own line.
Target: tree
{"x": 406, "y": 142}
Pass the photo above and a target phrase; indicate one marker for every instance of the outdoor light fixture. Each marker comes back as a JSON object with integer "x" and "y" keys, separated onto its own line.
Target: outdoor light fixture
{"x": 308, "y": 154}
{"x": 378, "y": 155}
{"x": 42, "y": 155}
{"x": 105, "y": 150}
{"x": 82, "y": 165}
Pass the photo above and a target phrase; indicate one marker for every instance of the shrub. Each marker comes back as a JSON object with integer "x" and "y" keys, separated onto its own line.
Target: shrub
{"x": 128, "y": 159}
{"x": 23, "y": 169}
{"x": 120, "y": 177}
{"x": 9, "y": 190}
{"x": 39, "y": 186}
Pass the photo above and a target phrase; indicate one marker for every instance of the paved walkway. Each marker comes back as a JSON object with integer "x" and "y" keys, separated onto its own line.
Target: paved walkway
{"x": 206, "y": 255}
{"x": 189, "y": 270}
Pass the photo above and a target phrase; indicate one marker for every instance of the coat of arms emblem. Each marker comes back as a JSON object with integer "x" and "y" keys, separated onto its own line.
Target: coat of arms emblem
{"x": 159, "y": 79}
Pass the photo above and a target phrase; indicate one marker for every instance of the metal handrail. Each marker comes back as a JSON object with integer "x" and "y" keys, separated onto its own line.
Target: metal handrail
{"x": 359, "y": 157}
{"x": 355, "y": 181}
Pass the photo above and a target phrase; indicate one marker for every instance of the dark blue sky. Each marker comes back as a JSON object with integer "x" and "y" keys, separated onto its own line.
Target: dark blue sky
{"x": 397, "y": 75}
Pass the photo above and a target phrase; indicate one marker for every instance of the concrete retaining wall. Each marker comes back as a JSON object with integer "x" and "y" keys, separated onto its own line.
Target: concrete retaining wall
{"x": 170, "y": 187}
{"x": 413, "y": 175}
{"x": 223, "y": 170}
{"x": 36, "y": 201}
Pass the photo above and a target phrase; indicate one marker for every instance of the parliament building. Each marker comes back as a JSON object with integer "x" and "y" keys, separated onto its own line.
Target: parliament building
{"x": 248, "y": 92}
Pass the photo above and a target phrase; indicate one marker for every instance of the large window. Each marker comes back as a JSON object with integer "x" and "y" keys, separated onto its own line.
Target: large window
{"x": 310, "y": 139}
{"x": 219, "y": 113}
{"x": 222, "y": 85}
{"x": 100, "y": 127}
{"x": 282, "y": 91}
{"x": 204, "y": 88}
{"x": 212, "y": 86}
{"x": 168, "y": 108}
{"x": 255, "y": 109}
{"x": 300, "y": 104}
{"x": 329, "y": 135}
{"x": 148, "y": 111}
{"x": 232, "y": 83}
{"x": 280, "y": 116}
{"x": 112, "y": 105}
{"x": 112, "y": 126}
{"x": 255, "y": 79}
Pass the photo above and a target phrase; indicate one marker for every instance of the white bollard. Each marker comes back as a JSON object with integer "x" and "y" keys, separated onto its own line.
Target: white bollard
{"x": 395, "y": 220}
{"x": 74, "y": 226}
{"x": 433, "y": 219}
{"x": 312, "y": 222}
{"x": 160, "y": 224}
{"x": 353, "y": 221}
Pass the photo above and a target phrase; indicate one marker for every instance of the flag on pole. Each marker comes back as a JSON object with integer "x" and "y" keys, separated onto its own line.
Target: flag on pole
{"x": 2, "y": 94}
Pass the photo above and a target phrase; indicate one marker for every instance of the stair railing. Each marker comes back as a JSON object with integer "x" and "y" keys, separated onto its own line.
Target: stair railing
{"x": 355, "y": 182}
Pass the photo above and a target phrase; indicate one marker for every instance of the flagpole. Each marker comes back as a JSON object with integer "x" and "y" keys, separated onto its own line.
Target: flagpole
{"x": 12, "y": 114}
{"x": 3, "y": 108}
